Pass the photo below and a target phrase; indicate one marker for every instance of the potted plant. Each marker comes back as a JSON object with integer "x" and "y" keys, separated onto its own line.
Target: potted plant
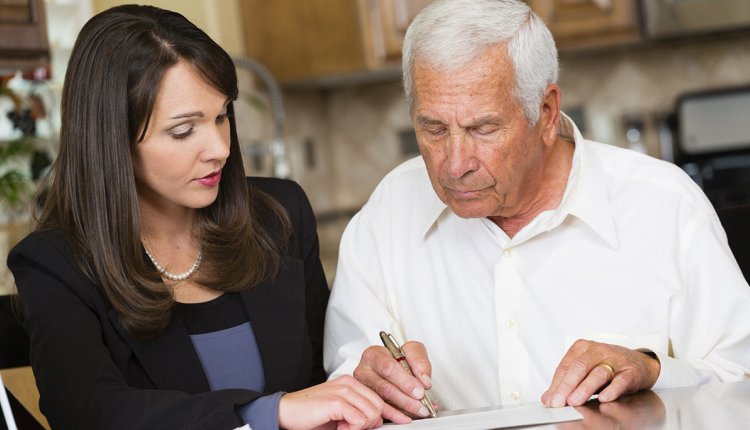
{"x": 22, "y": 162}
{"x": 16, "y": 185}
{"x": 16, "y": 188}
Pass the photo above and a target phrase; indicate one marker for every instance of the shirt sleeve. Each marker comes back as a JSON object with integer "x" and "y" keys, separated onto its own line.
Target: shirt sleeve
{"x": 710, "y": 335}
{"x": 263, "y": 413}
{"x": 359, "y": 306}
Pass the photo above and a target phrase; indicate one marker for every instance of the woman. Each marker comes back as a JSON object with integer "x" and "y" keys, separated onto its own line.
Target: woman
{"x": 161, "y": 288}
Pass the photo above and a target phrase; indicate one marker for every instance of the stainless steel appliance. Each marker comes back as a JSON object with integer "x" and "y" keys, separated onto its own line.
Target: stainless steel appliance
{"x": 712, "y": 143}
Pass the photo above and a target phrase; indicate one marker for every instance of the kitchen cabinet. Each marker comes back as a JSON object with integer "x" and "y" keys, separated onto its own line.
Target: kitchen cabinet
{"x": 23, "y": 35}
{"x": 321, "y": 39}
{"x": 579, "y": 24}
{"x": 385, "y": 24}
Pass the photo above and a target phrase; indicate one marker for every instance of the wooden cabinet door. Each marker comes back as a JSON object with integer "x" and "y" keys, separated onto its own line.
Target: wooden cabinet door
{"x": 588, "y": 23}
{"x": 23, "y": 34}
{"x": 307, "y": 39}
{"x": 318, "y": 39}
{"x": 385, "y": 23}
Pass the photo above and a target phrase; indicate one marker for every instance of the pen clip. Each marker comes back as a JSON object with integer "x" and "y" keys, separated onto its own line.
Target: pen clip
{"x": 395, "y": 349}
{"x": 395, "y": 343}
{"x": 390, "y": 343}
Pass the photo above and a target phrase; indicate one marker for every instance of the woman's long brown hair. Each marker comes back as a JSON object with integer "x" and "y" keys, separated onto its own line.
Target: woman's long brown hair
{"x": 110, "y": 89}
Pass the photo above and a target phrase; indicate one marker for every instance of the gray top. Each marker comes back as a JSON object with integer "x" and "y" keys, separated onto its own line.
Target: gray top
{"x": 228, "y": 351}
{"x": 231, "y": 359}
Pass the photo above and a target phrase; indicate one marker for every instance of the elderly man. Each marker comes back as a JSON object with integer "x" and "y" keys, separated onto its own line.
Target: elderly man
{"x": 529, "y": 262}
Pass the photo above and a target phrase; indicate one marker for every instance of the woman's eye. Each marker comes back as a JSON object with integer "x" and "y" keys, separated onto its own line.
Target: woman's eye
{"x": 221, "y": 118}
{"x": 180, "y": 134}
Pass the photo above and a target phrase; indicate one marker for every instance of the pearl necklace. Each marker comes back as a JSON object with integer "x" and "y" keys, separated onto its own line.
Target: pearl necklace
{"x": 176, "y": 276}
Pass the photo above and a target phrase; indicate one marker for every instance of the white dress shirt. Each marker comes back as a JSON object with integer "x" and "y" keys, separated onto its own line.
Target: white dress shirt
{"x": 634, "y": 255}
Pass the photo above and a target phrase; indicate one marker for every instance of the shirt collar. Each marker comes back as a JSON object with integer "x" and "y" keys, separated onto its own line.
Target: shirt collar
{"x": 585, "y": 195}
{"x": 433, "y": 212}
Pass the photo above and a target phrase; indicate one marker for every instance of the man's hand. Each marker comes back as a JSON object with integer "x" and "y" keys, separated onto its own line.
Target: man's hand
{"x": 588, "y": 366}
{"x": 379, "y": 371}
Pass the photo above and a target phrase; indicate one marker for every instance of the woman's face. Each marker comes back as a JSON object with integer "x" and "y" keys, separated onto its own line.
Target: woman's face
{"x": 178, "y": 163}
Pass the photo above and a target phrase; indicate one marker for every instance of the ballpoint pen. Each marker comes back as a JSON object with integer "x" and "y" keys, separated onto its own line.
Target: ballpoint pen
{"x": 395, "y": 350}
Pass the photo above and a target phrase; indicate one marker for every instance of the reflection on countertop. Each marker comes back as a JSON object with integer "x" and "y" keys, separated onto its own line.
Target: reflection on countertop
{"x": 723, "y": 406}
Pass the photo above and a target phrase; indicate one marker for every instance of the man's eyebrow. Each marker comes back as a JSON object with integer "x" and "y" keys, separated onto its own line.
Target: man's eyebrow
{"x": 427, "y": 121}
{"x": 490, "y": 119}
{"x": 484, "y": 120}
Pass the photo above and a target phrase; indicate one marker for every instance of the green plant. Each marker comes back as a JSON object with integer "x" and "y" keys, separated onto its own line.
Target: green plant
{"x": 16, "y": 187}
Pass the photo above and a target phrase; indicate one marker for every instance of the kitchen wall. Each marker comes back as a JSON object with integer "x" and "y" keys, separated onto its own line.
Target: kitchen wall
{"x": 354, "y": 130}
{"x": 343, "y": 140}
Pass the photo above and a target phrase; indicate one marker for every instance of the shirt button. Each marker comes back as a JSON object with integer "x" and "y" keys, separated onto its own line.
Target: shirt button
{"x": 508, "y": 251}
{"x": 515, "y": 396}
{"x": 512, "y": 324}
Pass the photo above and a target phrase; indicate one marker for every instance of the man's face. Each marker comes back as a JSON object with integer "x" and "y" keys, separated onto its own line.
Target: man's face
{"x": 482, "y": 157}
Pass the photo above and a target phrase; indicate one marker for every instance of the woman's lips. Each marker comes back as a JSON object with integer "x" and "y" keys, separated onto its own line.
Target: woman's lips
{"x": 211, "y": 180}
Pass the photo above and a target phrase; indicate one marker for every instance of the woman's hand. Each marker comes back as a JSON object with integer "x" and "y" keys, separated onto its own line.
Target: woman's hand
{"x": 342, "y": 403}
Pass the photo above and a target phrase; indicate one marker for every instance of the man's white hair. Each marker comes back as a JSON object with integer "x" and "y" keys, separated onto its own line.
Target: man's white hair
{"x": 448, "y": 34}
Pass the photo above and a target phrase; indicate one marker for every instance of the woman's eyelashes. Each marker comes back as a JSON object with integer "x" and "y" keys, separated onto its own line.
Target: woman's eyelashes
{"x": 181, "y": 132}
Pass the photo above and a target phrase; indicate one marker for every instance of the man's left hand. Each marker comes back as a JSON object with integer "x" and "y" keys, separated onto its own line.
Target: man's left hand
{"x": 589, "y": 366}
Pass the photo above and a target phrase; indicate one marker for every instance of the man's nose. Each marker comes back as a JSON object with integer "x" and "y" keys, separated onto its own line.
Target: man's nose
{"x": 460, "y": 160}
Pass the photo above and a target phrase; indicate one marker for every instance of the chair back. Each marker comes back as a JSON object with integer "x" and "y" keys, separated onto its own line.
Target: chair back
{"x": 15, "y": 341}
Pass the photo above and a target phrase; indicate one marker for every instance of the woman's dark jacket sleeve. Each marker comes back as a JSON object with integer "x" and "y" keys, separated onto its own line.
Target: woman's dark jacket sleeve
{"x": 92, "y": 375}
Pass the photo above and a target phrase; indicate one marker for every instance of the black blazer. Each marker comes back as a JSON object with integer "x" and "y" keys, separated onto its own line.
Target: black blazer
{"x": 92, "y": 374}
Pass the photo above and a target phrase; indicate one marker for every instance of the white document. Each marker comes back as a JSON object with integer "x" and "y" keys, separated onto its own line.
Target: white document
{"x": 494, "y": 418}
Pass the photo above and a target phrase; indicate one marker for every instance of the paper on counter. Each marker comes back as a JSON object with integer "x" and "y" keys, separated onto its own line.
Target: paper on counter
{"x": 494, "y": 418}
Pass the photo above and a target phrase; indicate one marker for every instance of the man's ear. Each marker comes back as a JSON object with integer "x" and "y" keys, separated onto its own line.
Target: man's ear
{"x": 549, "y": 118}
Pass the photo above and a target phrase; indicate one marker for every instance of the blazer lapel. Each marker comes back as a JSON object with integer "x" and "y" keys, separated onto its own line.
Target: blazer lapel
{"x": 277, "y": 314}
{"x": 168, "y": 358}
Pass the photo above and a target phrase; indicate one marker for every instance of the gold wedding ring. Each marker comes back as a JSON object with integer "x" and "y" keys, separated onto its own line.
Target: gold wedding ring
{"x": 609, "y": 368}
